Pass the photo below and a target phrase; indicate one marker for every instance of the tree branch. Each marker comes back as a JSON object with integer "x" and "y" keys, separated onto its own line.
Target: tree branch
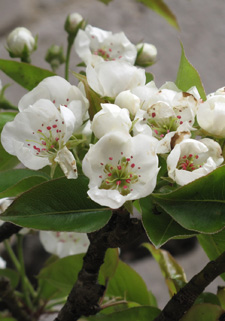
{"x": 84, "y": 297}
{"x": 8, "y": 229}
{"x": 8, "y": 297}
{"x": 185, "y": 298}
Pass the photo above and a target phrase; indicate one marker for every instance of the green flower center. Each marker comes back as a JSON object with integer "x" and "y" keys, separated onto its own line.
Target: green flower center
{"x": 120, "y": 177}
{"x": 188, "y": 163}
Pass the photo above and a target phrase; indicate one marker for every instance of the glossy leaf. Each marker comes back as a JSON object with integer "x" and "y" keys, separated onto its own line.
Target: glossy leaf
{"x": 26, "y": 75}
{"x": 60, "y": 275}
{"x": 199, "y": 205}
{"x": 7, "y": 161}
{"x": 16, "y": 181}
{"x": 203, "y": 312}
{"x": 188, "y": 76}
{"x": 109, "y": 267}
{"x": 160, "y": 7}
{"x": 159, "y": 226}
{"x": 149, "y": 77}
{"x": 134, "y": 314}
{"x": 58, "y": 205}
{"x": 128, "y": 284}
{"x": 173, "y": 273}
{"x": 213, "y": 245}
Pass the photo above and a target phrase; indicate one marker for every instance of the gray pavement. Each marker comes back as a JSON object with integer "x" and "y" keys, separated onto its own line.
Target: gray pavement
{"x": 202, "y": 33}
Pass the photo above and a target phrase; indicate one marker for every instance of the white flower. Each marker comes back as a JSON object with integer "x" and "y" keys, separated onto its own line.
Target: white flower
{"x": 64, "y": 243}
{"x": 94, "y": 45}
{"x": 72, "y": 22}
{"x": 111, "y": 118}
{"x": 147, "y": 54}
{"x": 2, "y": 263}
{"x": 109, "y": 78}
{"x": 61, "y": 93}
{"x": 220, "y": 91}
{"x": 192, "y": 159}
{"x": 20, "y": 40}
{"x": 4, "y": 204}
{"x": 126, "y": 99}
{"x": 37, "y": 136}
{"x": 211, "y": 116}
{"x": 121, "y": 168}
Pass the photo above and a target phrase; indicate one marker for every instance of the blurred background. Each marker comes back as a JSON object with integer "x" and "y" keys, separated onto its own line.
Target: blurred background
{"x": 202, "y": 32}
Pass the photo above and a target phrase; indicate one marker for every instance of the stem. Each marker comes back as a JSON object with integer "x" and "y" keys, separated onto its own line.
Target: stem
{"x": 22, "y": 272}
{"x": 185, "y": 298}
{"x": 70, "y": 41}
{"x": 12, "y": 255}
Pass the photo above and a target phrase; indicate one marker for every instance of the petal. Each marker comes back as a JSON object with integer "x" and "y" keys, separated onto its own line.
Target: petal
{"x": 67, "y": 163}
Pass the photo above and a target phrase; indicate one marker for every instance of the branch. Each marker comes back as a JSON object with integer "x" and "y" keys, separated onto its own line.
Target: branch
{"x": 84, "y": 297}
{"x": 8, "y": 297}
{"x": 8, "y": 229}
{"x": 185, "y": 298}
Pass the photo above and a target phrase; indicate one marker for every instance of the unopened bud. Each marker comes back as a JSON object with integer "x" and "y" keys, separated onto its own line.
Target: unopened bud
{"x": 55, "y": 56}
{"x": 21, "y": 43}
{"x": 74, "y": 22}
{"x": 146, "y": 55}
{"x": 127, "y": 100}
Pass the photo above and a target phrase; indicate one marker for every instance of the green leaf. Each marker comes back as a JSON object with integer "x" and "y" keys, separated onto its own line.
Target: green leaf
{"x": 94, "y": 99}
{"x": 203, "y": 312}
{"x": 173, "y": 273}
{"x": 6, "y": 117}
{"x": 109, "y": 267}
{"x": 58, "y": 205}
{"x": 12, "y": 275}
{"x": 7, "y": 161}
{"x": 213, "y": 245}
{"x": 16, "y": 181}
{"x": 188, "y": 76}
{"x": 134, "y": 314}
{"x": 60, "y": 276}
{"x": 160, "y": 226}
{"x": 128, "y": 284}
{"x": 26, "y": 75}
{"x": 221, "y": 296}
{"x": 7, "y": 319}
{"x": 149, "y": 77}
{"x": 199, "y": 205}
{"x": 162, "y": 9}
{"x": 208, "y": 297}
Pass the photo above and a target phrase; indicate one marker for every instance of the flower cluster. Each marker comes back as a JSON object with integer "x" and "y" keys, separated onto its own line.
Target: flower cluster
{"x": 134, "y": 122}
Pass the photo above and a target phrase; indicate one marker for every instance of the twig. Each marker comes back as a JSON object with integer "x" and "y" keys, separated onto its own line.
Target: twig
{"x": 83, "y": 300}
{"x": 185, "y": 298}
{"x": 8, "y": 229}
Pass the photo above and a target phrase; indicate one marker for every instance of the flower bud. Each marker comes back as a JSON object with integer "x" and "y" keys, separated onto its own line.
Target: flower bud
{"x": 147, "y": 54}
{"x": 55, "y": 56}
{"x": 127, "y": 100}
{"x": 74, "y": 22}
{"x": 21, "y": 43}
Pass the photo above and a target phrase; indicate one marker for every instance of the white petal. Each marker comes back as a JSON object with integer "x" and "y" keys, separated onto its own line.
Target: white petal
{"x": 67, "y": 163}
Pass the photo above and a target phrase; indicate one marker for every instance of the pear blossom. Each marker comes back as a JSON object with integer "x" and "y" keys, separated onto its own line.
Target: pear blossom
{"x": 111, "y": 118}
{"x": 20, "y": 42}
{"x": 61, "y": 93}
{"x": 2, "y": 263}
{"x": 121, "y": 168}
{"x": 126, "y": 99}
{"x": 94, "y": 45}
{"x": 64, "y": 243}
{"x": 73, "y": 21}
{"x": 38, "y": 137}
{"x": 109, "y": 78}
{"x": 147, "y": 54}
{"x": 192, "y": 159}
{"x": 211, "y": 116}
